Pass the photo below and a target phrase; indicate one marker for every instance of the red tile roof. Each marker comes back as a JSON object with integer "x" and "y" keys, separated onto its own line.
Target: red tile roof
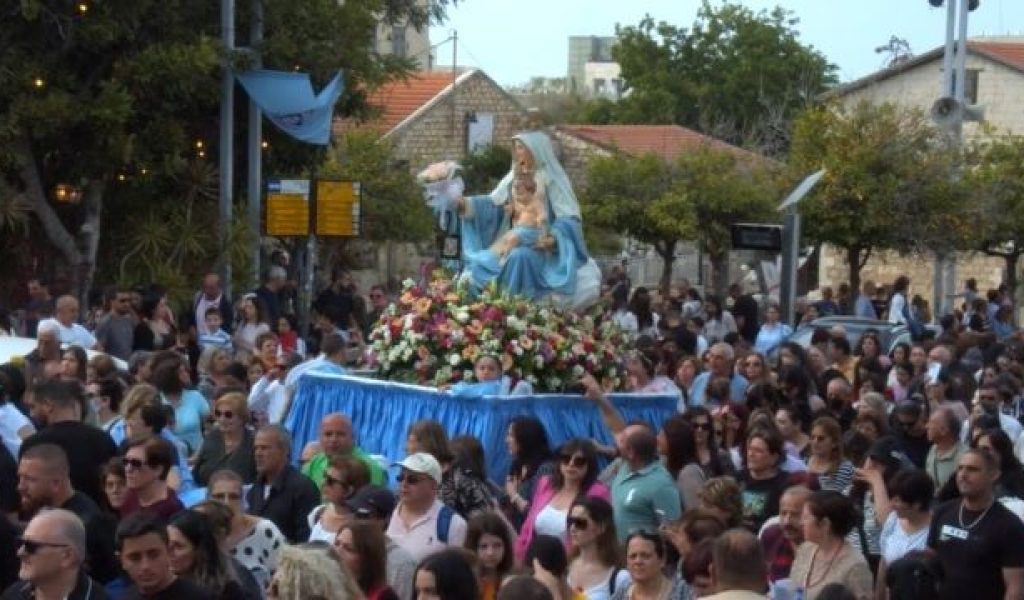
{"x": 1009, "y": 53}
{"x": 399, "y": 99}
{"x": 667, "y": 141}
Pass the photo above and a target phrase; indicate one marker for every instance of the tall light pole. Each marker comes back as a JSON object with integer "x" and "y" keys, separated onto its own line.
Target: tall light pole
{"x": 254, "y": 191}
{"x": 227, "y": 146}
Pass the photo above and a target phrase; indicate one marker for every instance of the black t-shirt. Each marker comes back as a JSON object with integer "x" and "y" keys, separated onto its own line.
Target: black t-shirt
{"x": 101, "y": 562}
{"x": 8, "y": 481}
{"x": 88, "y": 449}
{"x": 180, "y": 589}
{"x": 761, "y": 498}
{"x": 974, "y": 558}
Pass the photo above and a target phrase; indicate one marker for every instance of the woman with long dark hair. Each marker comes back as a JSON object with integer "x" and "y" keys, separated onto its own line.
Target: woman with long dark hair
{"x": 678, "y": 449}
{"x": 646, "y": 319}
{"x": 467, "y": 495}
{"x": 574, "y": 477}
{"x": 363, "y": 548}
{"x": 527, "y": 443}
{"x": 719, "y": 322}
{"x": 595, "y": 565}
{"x": 711, "y": 459}
{"x": 195, "y": 555}
{"x": 488, "y": 537}
{"x": 447, "y": 575}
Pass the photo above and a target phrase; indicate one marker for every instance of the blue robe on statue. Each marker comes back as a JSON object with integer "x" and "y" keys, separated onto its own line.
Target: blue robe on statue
{"x": 526, "y": 270}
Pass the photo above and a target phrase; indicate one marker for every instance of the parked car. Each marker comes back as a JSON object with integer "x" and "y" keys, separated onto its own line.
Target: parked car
{"x": 12, "y": 347}
{"x": 889, "y": 334}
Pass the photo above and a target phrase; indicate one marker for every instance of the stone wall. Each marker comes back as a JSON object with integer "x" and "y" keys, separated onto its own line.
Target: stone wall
{"x": 999, "y": 91}
{"x": 575, "y": 153}
{"x": 884, "y": 267}
{"x": 435, "y": 135}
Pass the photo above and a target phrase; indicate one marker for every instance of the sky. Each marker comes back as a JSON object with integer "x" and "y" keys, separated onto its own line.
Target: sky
{"x": 514, "y": 40}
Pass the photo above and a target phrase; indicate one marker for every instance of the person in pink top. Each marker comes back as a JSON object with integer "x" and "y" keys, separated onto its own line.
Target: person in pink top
{"x": 574, "y": 477}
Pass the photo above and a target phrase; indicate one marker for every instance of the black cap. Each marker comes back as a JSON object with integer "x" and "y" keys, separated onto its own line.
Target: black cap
{"x": 888, "y": 451}
{"x": 371, "y": 502}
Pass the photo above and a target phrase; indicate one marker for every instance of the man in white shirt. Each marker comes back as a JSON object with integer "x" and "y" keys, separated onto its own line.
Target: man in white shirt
{"x": 65, "y": 316}
{"x": 421, "y": 524}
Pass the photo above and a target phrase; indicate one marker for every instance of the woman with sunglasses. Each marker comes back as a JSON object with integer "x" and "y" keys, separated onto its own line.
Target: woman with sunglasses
{"x": 574, "y": 477}
{"x": 344, "y": 476}
{"x": 595, "y": 565}
{"x": 733, "y": 418}
{"x": 826, "y": 462}
{"x": 362, "y": 547}
{"x": 489, "y": 537}
{"x": 712, "y": 460}
{"x": 645, "y": 559}
{"x": 195, "y": 555}
{"x": 229, "y": 445}
{"x": 754, "y": 368}
{"x": 253, "y": 541}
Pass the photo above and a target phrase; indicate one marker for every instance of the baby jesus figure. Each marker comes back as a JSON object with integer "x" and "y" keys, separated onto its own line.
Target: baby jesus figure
{"x": 529, "y": 218}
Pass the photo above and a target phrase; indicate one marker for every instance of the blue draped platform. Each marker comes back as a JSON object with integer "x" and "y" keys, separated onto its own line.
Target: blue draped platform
{"x": 382, "y": 411}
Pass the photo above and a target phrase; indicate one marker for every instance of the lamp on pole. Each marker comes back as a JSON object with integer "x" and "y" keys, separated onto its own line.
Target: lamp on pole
{"x": 791, "y": 244}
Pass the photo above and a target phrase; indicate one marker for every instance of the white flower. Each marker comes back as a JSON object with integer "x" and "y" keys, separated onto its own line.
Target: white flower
{"x": 408, "y": 323}
{"x": 454, "y": 359}
{"x": 538, "y": 361}
{"x": 578, "y": 371}
{"x": 408, "y": 283}
{"x": 462, "y": 317}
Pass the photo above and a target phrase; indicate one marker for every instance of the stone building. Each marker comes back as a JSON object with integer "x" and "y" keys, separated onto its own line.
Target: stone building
{"x": 995, "y": 80}
{"x": 440, "y": 115}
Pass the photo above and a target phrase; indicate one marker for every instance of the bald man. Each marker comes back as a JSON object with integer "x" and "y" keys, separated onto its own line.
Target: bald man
{"x": 51, "y": 552}
{"x": 337, "y": 438}
{"x": 65, "y": 316}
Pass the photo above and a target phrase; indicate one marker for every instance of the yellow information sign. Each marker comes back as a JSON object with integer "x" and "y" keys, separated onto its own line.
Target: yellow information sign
{"x": 337, "y": 208}
{"x": 288, "y": 207}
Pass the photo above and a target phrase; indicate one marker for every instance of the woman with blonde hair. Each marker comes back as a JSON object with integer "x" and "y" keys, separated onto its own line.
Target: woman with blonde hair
{"x": 723, "y": 498}
{"x": 310, "y": 574}
{"x": 230, "y": 444}
{"x": 212, "y": 368}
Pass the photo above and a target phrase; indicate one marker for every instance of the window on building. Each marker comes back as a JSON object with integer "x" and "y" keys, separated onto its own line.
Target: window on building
{"x": 598, "y": 86}
{"x": 398, "y": 47}
{"x": 479, "y": 131}
{"x": 971, "y": 86}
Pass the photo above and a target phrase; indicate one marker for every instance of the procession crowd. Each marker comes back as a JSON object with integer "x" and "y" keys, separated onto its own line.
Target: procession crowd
{"x": 860, "y": 466}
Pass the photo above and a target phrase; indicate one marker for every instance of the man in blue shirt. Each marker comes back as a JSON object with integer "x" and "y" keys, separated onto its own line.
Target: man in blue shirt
{"x": 720, "y": 363}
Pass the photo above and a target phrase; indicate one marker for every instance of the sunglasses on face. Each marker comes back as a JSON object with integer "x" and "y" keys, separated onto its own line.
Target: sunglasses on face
{"x": 702, "y": 425}
{"x": 32, "y": 546}
{"x": 410, "y": 478}
{"x": 577, "y": 461}
{"x": 134, "y": 463}
{"x": 329, "y": 481}
{"x": 227, "y": 414}
{"x": 226, "y": 497}
{"x": 577, "y": 523}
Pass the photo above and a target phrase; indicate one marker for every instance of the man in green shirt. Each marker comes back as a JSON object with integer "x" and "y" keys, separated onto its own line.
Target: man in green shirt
{"x": 644, "y": 496}
{"x": 336, "y": 439}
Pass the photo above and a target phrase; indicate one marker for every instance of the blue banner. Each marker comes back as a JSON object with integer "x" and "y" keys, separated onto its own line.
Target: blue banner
{"x": 288, "y": 101}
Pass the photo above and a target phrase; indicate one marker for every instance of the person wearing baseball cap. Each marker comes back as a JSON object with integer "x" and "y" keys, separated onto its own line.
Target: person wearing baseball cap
{"x": 422, "y": 524}
{"x": 376, "y": 504}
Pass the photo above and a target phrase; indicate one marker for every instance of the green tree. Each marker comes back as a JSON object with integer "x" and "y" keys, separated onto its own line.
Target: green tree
{"x": 889, "y": 183}
{"x": 698, "y": 196}
{"x": 112, "y": 96}
{"x": 995, "y": 184}
{"x": 737, "y": 74}
{"x": 483, "y": 169}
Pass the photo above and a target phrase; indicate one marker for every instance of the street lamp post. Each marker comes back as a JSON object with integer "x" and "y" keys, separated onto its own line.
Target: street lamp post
{"x": 227, "y": 117}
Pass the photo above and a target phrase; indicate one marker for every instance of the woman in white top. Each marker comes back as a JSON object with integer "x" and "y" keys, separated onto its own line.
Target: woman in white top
{"x": 624, "y": 318}
{"x": 646, "y": 319}
{"x": 719, "y": 322}
{"x": 252, "y": 323}
{"x": 343, "y": 476}
{"x": 14, "y": 426}
{"x": 254, "y": 541}
{"x": 906, "y": 528}
{"x": 595, "y": 569}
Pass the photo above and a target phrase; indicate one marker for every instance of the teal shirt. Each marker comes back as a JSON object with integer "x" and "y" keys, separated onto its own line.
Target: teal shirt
{"x": 317, "y": 466}
{"x": 644, "y": 498}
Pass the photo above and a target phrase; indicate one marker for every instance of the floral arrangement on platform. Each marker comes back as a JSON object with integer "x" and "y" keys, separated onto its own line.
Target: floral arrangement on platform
{"x": 434, "y": 334}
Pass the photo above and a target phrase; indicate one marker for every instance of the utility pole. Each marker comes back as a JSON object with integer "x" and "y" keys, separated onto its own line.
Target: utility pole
{"x": 954, "y": 78}
{"x": 227, "y": 116}
{"x": 255, "y": 149}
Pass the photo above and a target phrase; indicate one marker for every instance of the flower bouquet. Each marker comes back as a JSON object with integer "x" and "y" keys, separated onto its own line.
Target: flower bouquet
{"x": 434, "y": 334}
